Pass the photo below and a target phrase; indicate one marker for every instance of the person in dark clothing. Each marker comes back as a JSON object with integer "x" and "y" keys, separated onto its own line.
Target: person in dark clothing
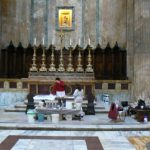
{"x": 30, "y": 103}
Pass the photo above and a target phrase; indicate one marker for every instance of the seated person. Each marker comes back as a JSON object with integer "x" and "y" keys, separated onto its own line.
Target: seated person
{"x": 113, "y": 112}
{"x": 58, "y": 88}
{"x": 78, "y": 98}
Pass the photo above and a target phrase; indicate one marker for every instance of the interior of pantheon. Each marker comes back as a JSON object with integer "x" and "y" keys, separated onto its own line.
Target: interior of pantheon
{"x": 99, "y": 47}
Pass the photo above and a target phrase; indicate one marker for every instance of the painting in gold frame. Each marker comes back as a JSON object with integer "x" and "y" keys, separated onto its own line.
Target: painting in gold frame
{"x": 65, "y": 18}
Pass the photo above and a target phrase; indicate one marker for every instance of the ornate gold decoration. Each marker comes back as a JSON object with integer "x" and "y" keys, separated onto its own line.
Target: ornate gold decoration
{"x": 33, "y": 67}
{"x": 43, "y": 66}
{"x": 70, "y": 66}
{"x": 89, "y": 66}
{"x": 61, "y": 65}
{"x": 79, "y": 66}
{"x": 52, "y": 65}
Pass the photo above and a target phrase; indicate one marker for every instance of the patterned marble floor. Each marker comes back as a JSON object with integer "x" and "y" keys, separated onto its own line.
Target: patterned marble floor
{"x": 20, "y": 142}
{"x": 140, "y": 142}
{"x": 110, "y": 140}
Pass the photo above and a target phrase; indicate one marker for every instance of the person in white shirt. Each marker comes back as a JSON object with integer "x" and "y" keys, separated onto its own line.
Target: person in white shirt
{"x": 78, "y": 98}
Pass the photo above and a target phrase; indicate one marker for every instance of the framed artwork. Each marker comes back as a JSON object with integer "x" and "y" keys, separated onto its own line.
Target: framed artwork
{"x": 65, "y": 18}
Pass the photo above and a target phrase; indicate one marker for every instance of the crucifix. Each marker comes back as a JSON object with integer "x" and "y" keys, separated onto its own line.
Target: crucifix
{"x": 61, "y": 35}
{"x": 61, "y": 65}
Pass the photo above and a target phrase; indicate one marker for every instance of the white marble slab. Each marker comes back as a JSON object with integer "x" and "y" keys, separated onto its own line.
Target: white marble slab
{"x": 49, "y": 144}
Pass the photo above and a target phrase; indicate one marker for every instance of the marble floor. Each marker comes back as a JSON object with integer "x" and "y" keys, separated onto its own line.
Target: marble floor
{"x": 110, "y": 140}
{"x": 112, "y": 135}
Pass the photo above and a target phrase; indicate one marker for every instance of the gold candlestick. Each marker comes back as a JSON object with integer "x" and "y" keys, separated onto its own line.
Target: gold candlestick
{"x": 52, "y": 65}
{"x": 43, "y": 66}
{"x": 89, "y": 66}
{"x": 33, "y": 67}
{"x": 70, "y": 66}
{"x": 61, "y": 65}
{"x": 79, "y": 66}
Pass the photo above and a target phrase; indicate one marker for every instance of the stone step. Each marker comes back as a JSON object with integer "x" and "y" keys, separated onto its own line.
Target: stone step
{"x": 97, "y": 110}
{"x": 84, "y": 105}
{"x": 36, "y": 102}
{"x": 15, "y": 109}
{"x": 20, "y": 106}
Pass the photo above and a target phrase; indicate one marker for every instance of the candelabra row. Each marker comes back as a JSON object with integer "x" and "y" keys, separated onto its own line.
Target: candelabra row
{"x": 61, "y": 68}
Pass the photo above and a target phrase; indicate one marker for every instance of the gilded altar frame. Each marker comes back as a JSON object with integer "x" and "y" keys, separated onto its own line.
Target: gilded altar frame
{"x": 65, "y": 18}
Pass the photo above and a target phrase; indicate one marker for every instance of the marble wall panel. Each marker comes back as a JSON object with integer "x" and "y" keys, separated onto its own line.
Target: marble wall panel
{"x": 141, "y": 57}
{"x": 142, "y": 26}
{"x": 8, "y": 98}
{"x": 38, "y": 21}
{"x": 8, "y": 16}
{"x": 15, "y": 22}
{"x": 142, "y": 76}
{"x": 90, "y": 22}
{"x": 114, "y": 22}
{"x": 130, "y": 37}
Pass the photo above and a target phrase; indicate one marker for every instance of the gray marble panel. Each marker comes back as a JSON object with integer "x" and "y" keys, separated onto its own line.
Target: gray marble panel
{"x": 7, "y": 98}
{"x": 38, "y": 28}
{"x": 90, "y": 22}
{"x": 114, "y": 22}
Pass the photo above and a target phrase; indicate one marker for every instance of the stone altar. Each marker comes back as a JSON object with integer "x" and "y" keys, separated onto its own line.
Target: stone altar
{"x": 63, "y": 75}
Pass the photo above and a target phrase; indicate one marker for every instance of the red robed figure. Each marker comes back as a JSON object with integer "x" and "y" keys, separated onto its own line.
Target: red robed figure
{"x": 59, "y": 86}
{"x": 113, "y": 112}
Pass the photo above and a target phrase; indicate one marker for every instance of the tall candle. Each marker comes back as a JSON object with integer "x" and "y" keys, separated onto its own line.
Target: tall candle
{"x": 79, "y": 41}
{"x": 89, "y": 41}
{"x": 53, "y": 41}
{"x": 43, "y": 40}
{"x": 34, "y": 41}
{"x": 70, "y": 41}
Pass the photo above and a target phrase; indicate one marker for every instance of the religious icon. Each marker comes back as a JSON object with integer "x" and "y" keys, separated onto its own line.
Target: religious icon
{"x": 65, "y": 18}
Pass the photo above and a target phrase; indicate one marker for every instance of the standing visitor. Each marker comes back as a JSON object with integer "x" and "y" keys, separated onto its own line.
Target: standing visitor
{"x": 78, "y": 98}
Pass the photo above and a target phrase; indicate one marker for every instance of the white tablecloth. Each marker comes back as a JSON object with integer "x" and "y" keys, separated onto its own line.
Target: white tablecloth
{"x": 50, "y": 97}
{"x": 44, "y": 97}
